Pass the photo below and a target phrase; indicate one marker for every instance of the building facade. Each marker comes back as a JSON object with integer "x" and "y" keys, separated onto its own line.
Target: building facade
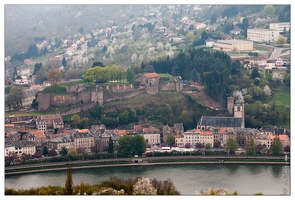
{"x": 233, "y": 45}
{"x": 262, "y": 35}
{"x": 281, "y": 26}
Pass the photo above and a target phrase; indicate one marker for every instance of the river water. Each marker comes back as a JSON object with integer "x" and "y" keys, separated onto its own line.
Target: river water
{"x": 188, "y": 179}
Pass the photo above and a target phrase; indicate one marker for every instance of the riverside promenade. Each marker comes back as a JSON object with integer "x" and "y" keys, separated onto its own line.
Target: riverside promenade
{"x": 147, "y": 161}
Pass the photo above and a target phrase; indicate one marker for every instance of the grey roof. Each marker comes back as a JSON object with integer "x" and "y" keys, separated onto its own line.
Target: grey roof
{"x": 21, "y": 144}
{"x": 62, "y": 139}
{"x": 82, "y": 135}
{"x": 220, "y": 121}
{"x": 178, "y": 126}
{"x": 244, "y": 130}
{"x": 239, "y": 102}
{"x": 268, "y": 128}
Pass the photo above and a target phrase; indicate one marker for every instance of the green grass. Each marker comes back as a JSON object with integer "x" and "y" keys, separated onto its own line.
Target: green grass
{"x": 262, "y": 48}
{"x": 164, "y": 75}
{"x": 284, "y": 50}
{"x": 281, "y": 98}
{"x": 27, "y": 113}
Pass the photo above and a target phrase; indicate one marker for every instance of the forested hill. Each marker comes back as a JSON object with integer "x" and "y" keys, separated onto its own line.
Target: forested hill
{"x": 214, "y": 69}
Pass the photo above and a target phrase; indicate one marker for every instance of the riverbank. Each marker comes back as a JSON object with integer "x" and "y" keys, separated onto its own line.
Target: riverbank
{"x": 18, "y": 170}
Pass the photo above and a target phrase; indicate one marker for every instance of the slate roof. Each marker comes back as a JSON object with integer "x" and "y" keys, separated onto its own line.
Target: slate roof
{"x": 220, "y": 121}
{"x": 178, "y": 126}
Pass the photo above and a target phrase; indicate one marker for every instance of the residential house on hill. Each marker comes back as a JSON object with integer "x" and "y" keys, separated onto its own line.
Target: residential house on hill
{"x": 58, "y": 143}
{"x": 178, "y": 129}
{"x": 83, "y": 139}
{"x": 151, "y": 135}
{"x": 49, "y": 119}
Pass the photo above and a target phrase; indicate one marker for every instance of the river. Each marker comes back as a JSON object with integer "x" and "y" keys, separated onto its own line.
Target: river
{"x": 188, "y": 179}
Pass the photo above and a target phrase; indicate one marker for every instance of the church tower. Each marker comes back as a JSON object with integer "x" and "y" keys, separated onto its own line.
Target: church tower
{"x": 239, "y": 111}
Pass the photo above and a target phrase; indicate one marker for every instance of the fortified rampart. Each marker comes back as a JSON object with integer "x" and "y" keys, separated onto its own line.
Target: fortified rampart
{"x": 78, "y": 94}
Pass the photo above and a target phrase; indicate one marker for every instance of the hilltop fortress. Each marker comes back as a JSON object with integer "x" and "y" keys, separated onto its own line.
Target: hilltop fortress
{"x": 78, "y": 97}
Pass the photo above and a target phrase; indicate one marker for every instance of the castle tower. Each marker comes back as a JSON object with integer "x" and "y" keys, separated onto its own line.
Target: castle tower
{"x": 239, "y": 111}
{"x": 230, "y": 104}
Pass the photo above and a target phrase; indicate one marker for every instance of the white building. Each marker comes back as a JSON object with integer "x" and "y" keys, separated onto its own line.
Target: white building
{"x": 281, "y": 26}
{"x": 262, "y": 35}
{"x": 233, "y": 45}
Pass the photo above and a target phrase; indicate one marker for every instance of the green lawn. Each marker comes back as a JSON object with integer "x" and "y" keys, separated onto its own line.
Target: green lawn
{"x": 284, "y": 50}
{"x": 165, "y": 75}
{"x": 281, "y": 98}
{"x": 262, "y": 48}
{"x": 27, "y": 113}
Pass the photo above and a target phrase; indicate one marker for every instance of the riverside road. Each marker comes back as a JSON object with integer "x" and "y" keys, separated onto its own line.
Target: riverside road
{"x": 145, "y": 161}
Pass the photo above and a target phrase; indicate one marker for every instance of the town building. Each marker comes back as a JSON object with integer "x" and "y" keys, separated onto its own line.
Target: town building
{"x": 83, "y": 139}
{"x": 280, "y": 26}
{"x": 151, "y": 135}
{"x": 233, "y": 45}
{"x": 262, "y": 35}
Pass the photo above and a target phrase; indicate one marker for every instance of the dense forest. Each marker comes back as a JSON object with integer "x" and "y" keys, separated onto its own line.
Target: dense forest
{"x": 214, "y": 69}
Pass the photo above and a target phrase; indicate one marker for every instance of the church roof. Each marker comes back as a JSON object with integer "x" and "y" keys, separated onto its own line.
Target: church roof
{"x": 220, "y": 121}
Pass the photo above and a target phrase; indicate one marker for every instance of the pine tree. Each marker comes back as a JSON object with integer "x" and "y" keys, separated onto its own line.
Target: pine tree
{"x": 69, "y": 182}
{"x": 111, "y": 146}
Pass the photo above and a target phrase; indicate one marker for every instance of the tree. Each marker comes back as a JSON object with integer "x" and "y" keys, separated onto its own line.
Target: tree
{"x": 259, "y": 147}
{"x": 37, "y": 67}
{"x": 199, "y": 145}
{"x": 76, "y": 119}
{"x": 231, "y": 146}
{"x": 170, "y": 139}
{"x": 40, "y": 76}
{"x": 69, "y": 182}
{"x": 287, "y": 148}
{"x": 255, "y": 73}
{"x": 204, "y": 35}
{"x": 130, "y": 75}
{"x": 149, "y": 69}
{"x": 54, "y": 76}
{"x": 245, "y": 24}
{"x": 251, "y": 148}
{"x": 269, "y": 10}
{"x": 194, "y": 75}
{"x": 187, "y": 145}
{"x": 52, "y": 153}
{"x": 276, "y": 147}
{"x": 111, "y": 146}
{"x": 16, "y": 96}
{"x": 132, "y": 145}
{"x": 216, "y": 144}
{"x": 71, "y": 74}
{"x": 32, "y": 51}
{"x": 81, "y": 30}
{"x": 45, "y": 151}
{"x": 97, "y": 63}
{"x": 124, "y": 117}
{"x": 143, "y": 186}
{"x": 207, "y": 146}
{"x": 64, "y": 62}
{"x": 281, "y": 41}
{"x": 267, "y": 90}
{"x": 63, "y": 151}
{"x": 213, "y": 19}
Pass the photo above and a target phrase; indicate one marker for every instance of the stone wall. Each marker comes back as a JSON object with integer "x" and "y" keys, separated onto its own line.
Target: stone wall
{"x": 77, "y": 108}
{"x": 152, "y": 89}
{"x": 119, "y": 88}
{"x": 97, "y": 96}
{"x": 43, "y": 102}
{"x": 123, "y": 95}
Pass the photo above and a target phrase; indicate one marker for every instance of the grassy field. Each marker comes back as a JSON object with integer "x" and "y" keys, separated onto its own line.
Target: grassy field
{"x": 262, "y": 48}
{"x": 26, "y": 113}
{"x": 281, "y": 98}
{"x": 284, "y": 50}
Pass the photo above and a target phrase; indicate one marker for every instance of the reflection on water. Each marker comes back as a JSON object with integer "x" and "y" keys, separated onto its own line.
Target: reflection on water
{"x": 245, "y": 179}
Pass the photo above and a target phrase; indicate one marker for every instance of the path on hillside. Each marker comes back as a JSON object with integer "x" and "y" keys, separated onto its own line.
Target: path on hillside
{"x": 203, "y": 98}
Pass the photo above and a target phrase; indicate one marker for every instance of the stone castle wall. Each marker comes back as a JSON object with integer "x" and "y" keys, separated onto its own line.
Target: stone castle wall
{"x": 43, "y": 102}
{"x": 79, "y": 95}
{"x": 77, "y": 108}
{"x": 108, "y": 96}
